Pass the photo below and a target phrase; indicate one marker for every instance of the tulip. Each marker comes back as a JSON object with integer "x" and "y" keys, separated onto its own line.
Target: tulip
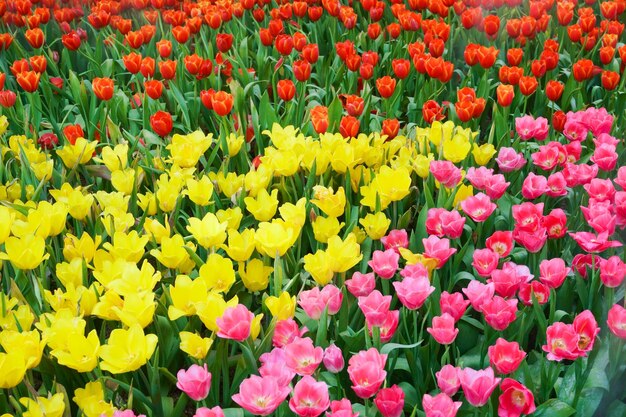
{"x": 195, "y": 382}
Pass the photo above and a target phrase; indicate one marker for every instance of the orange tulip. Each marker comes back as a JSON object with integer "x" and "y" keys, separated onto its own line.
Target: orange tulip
{"x": 222, "y": 103}
{"x": 103, "y": 88}
{"x": 28, "y": 80}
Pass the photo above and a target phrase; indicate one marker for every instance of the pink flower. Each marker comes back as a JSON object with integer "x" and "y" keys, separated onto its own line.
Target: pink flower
{"x": 561, "y": 342}
{"x": 546, "y": 158}
{"x": 235, "y": 323}
{"x": 366, "y": 370}
{"x": 440, "y": 405}
{"x": 209, "y": 412}
{"x": 413, "y": 291}
{"x": 532, "y": 241}
{"x": 439, "y": 249}
{"x": 360, "y": 284}
{"x": 555, "y": 224}
{"x": 396, "y": 239}
{"x": 310, "y": 398}
{"x": 478, "y": 176}
{"x": 195, "y": 382}
{"x": 499, "y": 313}
{"x": 587, "y": 328}
{"x": 485, "y": 261}
{"x": 443, "y": 330}
{"x": 539, "y": 290}
{"x": 605, "y": 157}
{"x": 508, "y": 279}
{"x": 390, "y": 401}
{"x": 621, "y": 177}
{"x": 375, "y": 307}
{"x": 478, "y": 293}
{"x": 448, "y": 379}
{"x": 528, "y": 127}
{"x": 333, "y": 298}
{"x": 553, "y": 272}
{"x": 556, "y": 185}
{"x": 515, "y": 399}
{"x": 612, "y": 272}
{"x": 478, "y": 385}
{"x": 333, "y": 359}
{"x": 312, "y": 303}
{"x": 478, "y": 207}
{"x": 341, "y": 408}
{"x": 575, "y": 131}
{"x": 385, "y": 264}
{"x": 505, "y": 356}
{"x": 446, "y": 173}
{"x": 414, "y": 271}
{"x": 496, "y": 186}
{"x": 302, "y": 356}
{"x": 441, "y": 222}
{"x": 528, "y": 216}
{"x": 286, "y": 331}
{"x": 453, "y": 304}
{"x": 500, "y": 242}
{"x": 591, "y": 243}
{"x": 616, "y": 321}
{"x": 389, "y": 326}
{"x": 534, "y": 186}
{"x": 261, "y": 395}
{"x": 127, "y": 413}
{"x": 600, "y": 189}
{"x": 509, "y": 160}
{"x": 274, "y": 366}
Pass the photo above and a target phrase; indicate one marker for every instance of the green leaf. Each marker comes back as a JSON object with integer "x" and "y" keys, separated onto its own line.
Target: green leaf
{"x": 389, "y": 347}
{"x": 554, "y": 408}
{"x": 233, "y": 412}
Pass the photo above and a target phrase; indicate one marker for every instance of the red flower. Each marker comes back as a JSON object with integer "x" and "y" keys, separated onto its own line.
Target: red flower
{"x": 528, "y": 85}
{"x": 71, "y": 41}
{"x": 302, "y": 70}
{"x": 554, "y": 90}
{"x": 349, "y": 126}
{"x": 7, "y": 98}
{"x": 161, "y": 123}
{"x": 28, "y": 80}
{"x": 505, "y": 94}
{"x": 222, "y": 103}
{"x": 147, "y": 67}
{"x": 48, "y": 140}
{"x": 134, "y": 39}
{"x": 35, "y": 37}
{"x": 103, "y": 88}
{"x": 401, "y": 68}
{"x": 515, "y": 399}
{"x": 284, "y": 44}
{"x": 286, "y": 90}
{"x": 582, "y": 70}
{"x": 386, "y": 86}
{"x": 73, "y": 132}
{"x": 164, "y": 47}
{"x": 391, "y": 127}
{"x": 610, "y": 80}
{"x": 132, "y": 62}
{"x": 310, "y": 52}
{"x": 154, "y": 89}
{"x": 431, "y": 111}
{"x": 168, "y": 69}
{"x": 319, "y": 118}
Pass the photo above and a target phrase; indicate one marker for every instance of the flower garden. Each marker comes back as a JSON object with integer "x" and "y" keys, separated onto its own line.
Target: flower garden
{"x": 235, "y": 208}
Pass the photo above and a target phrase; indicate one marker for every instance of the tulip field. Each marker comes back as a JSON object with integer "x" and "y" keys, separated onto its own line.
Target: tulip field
{"x": 336, "y": 208}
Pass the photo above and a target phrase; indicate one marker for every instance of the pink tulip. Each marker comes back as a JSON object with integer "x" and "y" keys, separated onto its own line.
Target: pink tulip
{"x": 485, "y": 261}
{"x": 333, "y": 359}
{"x": 561, "y": 342}
{"x": 443, "y": 329}
{"x": 478, "y": 293}
{"x": 310, "y": 398}
{"x": 127, "y": 413}
{"x": 312, "y": 303}
{"x": 390, "y": 401}
{"x": 540, "y": 290}
{"x": 273, "y": 365}
{"x": 366, "y": 370}
{"x": 453, "y": 304}
{"x": 413, "y": 291}
{"x": 209, "y": 412}
{"x": 478, "y": 176}
{"x": 448, "y": 379}
{"x": 505, "y": 356}
{"x": 478, "y": 207}
{"x": 534, "y": 186}
{"x": 528, "y": 127}
{"x": 616, "y": 321}
{"x": 302, "y": 356}
{"x": 478, "y": 385}
{"x": 261, "y": 395}
{"x": 286, "y": 331}
{"x": 556, "y": 185}
{"x": 341, "y": 408}
{"x": 440, "y": 405}
{"x": 375, "y": 307}
{"x": 515, "y": 399}
{"x": 499, "y": 313}
{"x": 446, "y": 173}
{"x": 235, "y": 323}
{"x": 509, "y": 160}
{"x": 496, "y": 186}
{"x": 195, "y": 382}
{"x": 438, "y": 249}
{"x": 553, "y": 272}
{"x": 361, "y": 285}
{"x": 587, "y": 328}
{"x": 385, "y": 264}
{"x": 395, "y": 239}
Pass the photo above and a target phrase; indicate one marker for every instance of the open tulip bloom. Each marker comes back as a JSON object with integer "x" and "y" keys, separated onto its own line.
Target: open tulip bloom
{"x": 312, "y": 208}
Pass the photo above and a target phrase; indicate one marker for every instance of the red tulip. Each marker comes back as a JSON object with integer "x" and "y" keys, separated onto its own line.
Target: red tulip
{"x": 161, "y": 123}
{"x": 103, "y": 88}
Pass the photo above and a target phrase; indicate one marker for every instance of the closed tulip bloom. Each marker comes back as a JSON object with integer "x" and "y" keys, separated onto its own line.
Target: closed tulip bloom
{"x": 28, "y": 80}
{"x": 161, "y": 123}
{"x": 413, "y": 291}
{"x": 222, "y": 103}
{"x": 302, "y": 356}
{"x": 478, "y": 385}
{"x": 154, "y": 89}
{"x": 386, "y": 86}
{"x": 235, "y": 323}
{"x": 505, "y": 94}
{"x": 390, "y": 401}
{"x": 448, "y": 379}
{"x": 443, "y": 330}
{"x": 103, "y": 88}
{"x": 310, "y": 398}
{"x": 616, "y": 321}
{"x": 367, "y": 372}
{"x": 286, "y": 90}
{"x": 333, "y": 359}
{"x": 195, "y": 382}
{"x": 505, "y": 356}
{"x": 441, "y": 405}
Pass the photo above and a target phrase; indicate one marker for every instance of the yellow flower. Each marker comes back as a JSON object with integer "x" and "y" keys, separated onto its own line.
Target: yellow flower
{"x": 173, "y": 254}
{"x": 116, "y": 158}
{"x": 331, "y": 203}
{"x": 28, "y": 343}
{"x": 104, "y": 308}
{"x": 283, "y": 162}
{"x": 81, "y": 353}
{"x": 4, "y": 124}
{"x": 79, "y": 204}
{"x": 462, "y": 192}
{"x": 456, "y": 148}
{"x": 439, "y": 132}
{"x": 6, "y": 221}
{"x": 217, "y": 273}
{"x": 375, "y": 225}
{"x": 232, "y": 216}
{"x": 148, "y": 203}
{"x": 256, "y": 275}
{"x": 258, "y": 179}
{"x": 283, "y": 137}
{"x": 19, "y": 319}
{"x": 25, "y": 252}
{"x": 127, "y": 246}
{"x": 91, "y": 402}
{"x": 70, "y": 273}
{"x": 209, "y": 231}
{"x": 78, "y": 153}
{"x": 157, "y": 230}
{"x": 274, "y": 239}
{"x": 282, "y": 307}
{"x": 325, "y": 228}
{"x": 344, "y": 254}
{"x": 319, "y": 265}
{"x": 195, "y": 345}
{"x": 138, "y": 309}
{"x": 127, "y": 350}
{"x": 186, "y": 150}
{"x": 229, "y": 184}
{"x": 240, "y": 245}
{"x": 124, "y": 180}
{"x": 168, "y": 190}
{"x": 199, "y": 191}
{"x": 294, "y": 214}
{"x": 12, "y": 369}
{"x": 133, "y": 280}
{"x": 483, "y": 153}
{"x": 264, "y": 206}
{"x": 53, "y": 406}
{"x": 233, "y": 143}
{"x": 186, "y": 294}
{"x": 213, "y": 307}
{"x": 255, "y": 326}
{"x": 342, "y": 158}
{"x": 43, "y": 169}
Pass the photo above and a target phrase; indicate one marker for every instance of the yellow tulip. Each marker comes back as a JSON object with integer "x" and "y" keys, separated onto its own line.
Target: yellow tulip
{"x": 240, "y": 245}
{"x": 91, "y": 402}
{"x": 274, "y": 239}
{"x": 331, "y": 203}
{"x": 483, "y": 153}
{"x": 255, "y": 275}
{"x": 217, "y": 273}
{"x": 78, "y": 153}
{"x": 53, "y": 406}
{"x": 25, "y": 252}
{"x": 186, "y": 294}
{"x": 319, "y": 265}
{"x": 264, "y": 206}
{"x": 12, "y": 369}
{"x": 326, "y": 227}
{"x": 127, "y": 350}
{"x": 195, "y": 345}
{"x": 344, "y": 254}
{"x": 199, "y": 191}
{"x": 186, "y": 150}
{"x": 212, "y": 308}
{"x": 282, "y": 307}
{"x": 81, "y": 354}
{"x": 375, "y": 225}
{"x": 209, "y": 231}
